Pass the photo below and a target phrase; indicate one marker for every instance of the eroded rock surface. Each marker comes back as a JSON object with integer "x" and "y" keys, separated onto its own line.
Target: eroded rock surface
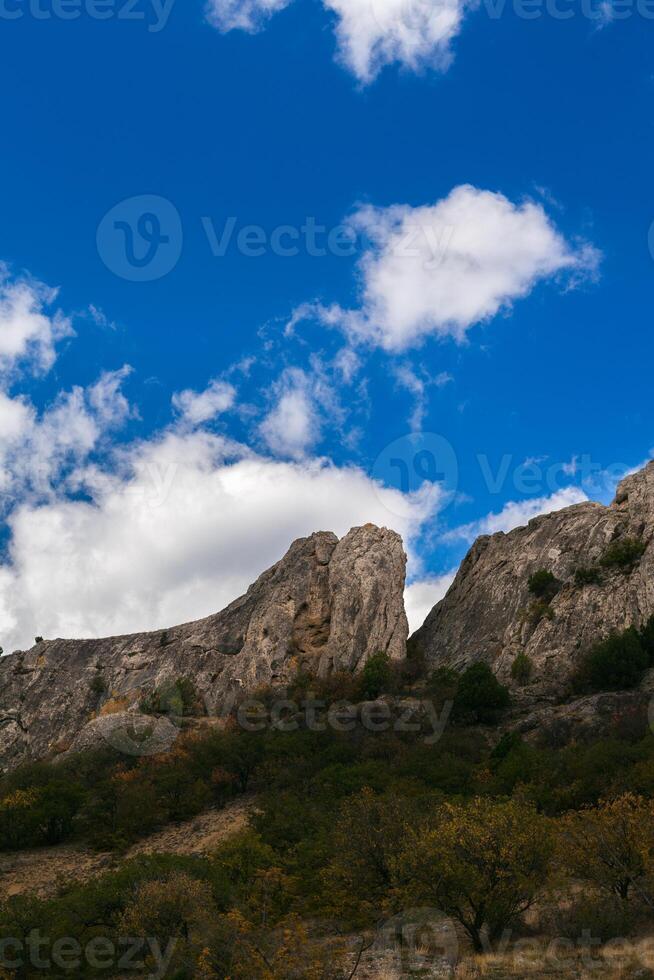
{"x": 489, "y": 615}
{"x": 327, "y": 605}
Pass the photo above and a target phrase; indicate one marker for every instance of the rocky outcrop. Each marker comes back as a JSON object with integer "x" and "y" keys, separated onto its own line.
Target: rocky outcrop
{"x": 490, "y": 615}
{"x": 327, "y": 605}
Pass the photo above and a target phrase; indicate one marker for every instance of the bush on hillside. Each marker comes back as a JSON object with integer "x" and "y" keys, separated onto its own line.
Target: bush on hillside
{"x": 538, "y": 610}
{"x": 544, "y": 585}
{"x": 479, "y": 697}
{"x": 590, "y": 575}
{"x": 98, "y": 685}
{"x": 176, "y": 698}
{"x": 376, "y": 678}
{"x": 615, "y": 664}
{"x": 623, "y": 553}
{"x": 521, "y": 668}
{"x": 647, "y": 640}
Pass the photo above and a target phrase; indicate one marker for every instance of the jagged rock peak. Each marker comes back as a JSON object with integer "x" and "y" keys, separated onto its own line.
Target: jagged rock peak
{"x": 489, "y": 615}
{"x": 326, "y": 605}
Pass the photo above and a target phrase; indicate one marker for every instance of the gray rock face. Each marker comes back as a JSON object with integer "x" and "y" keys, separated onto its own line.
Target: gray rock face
{"x": 488, "y": 615}
{"x": 327, "y": 605}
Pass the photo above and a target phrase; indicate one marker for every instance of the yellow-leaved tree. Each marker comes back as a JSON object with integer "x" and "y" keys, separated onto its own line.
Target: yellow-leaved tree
{"x": 480, "y": 862}
{"x": 611, "y": 845}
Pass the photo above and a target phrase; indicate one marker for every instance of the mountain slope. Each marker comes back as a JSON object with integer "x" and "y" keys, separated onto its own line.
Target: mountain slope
{"x": 490, "y": 615}
{"x": 327, "y": 605}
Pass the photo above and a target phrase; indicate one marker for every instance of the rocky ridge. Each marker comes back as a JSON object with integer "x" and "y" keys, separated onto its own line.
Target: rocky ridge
{"x": 489, "y": 614}
{"x": 328, "y": 605}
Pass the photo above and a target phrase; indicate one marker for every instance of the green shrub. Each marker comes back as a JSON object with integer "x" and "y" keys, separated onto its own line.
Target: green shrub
{"x": 538, "y": 610}
{"x": 334, "y": 687}
{"x": 442, "y": 684}
{"x": 376, "y": 677}
{"x": 98, "y": 685}
{"x": 177, "y": 698}
{"x": 544, "y": 585}
{"x": 615, "y": 664}
{"x": 623, "y": 553}
{"x": 507, "y": 744}
{"x": 588, "y": 576}
{"x": 647, "y": 639}
{"x": 479, "y": 697}
{"x": 521, "y": 668}
{"x": 38, "y": 639}
{"x": 594, "y": 915}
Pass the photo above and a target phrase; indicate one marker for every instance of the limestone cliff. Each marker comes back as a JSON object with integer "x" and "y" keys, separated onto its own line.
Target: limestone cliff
{"x": 327, "y": 605}
{"x": 490, "y": 615}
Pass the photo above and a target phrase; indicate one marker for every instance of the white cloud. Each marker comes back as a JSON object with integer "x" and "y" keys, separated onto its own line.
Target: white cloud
{"x": 606, "y": 14}
{"x": 108, "y": 537}
{"x": 420, "y": 597}
{"x": 242, "y": 15}
{"x": 417, "y": 382}
{"x": 440, "y": 269}
{"x": 39, "y": 451}
{"x": 196, "y": 407}
{"x": 370, "y": 34}
{"x": 347, "y": 364}
{"x": 28, "y": 333}
{"x": 106, "y": 399}
{"x": 416, "y": 34}
{"x": 185, "y": 532}
{"x": 517, "y": 513}
{"x": 292, "y": 426}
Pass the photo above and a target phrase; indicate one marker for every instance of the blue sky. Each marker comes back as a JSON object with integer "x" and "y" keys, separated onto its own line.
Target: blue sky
{"x": 163, "y": 440}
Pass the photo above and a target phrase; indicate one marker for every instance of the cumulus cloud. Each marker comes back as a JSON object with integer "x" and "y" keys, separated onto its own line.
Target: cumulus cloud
{"x": 40, "y": 451}
{"x": 197, "y": 407}
{"x": 517, "y": 513}
{"x": 180, "y": 535}
{"x": 292, "y": 426}
{"x": 107, "y": 536}
{"x": 440, "y": 269}
{"x": 421, "y": 596}
{"x": 416, "y": 34}
{"x": 370, "y": 34}
{"x": 29, "y": 331}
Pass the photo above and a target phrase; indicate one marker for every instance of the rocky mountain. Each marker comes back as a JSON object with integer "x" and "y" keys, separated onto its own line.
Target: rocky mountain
{"x": 603, "y": 561}
{"x": 327, "y": 605}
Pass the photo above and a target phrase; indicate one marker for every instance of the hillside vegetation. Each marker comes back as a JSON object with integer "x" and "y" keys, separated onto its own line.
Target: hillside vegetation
{"x": 504, "y": 841}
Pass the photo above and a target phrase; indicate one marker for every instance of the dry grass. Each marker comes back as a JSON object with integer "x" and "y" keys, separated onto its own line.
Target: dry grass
{"x": 42, "y": 872}
{"x": 617, "y": 960}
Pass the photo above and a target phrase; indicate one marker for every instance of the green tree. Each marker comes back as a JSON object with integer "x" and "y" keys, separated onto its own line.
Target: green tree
{"x": 479, "y": 697}
{"x": 366, "y": 839}
{"x": 376, "y": 678}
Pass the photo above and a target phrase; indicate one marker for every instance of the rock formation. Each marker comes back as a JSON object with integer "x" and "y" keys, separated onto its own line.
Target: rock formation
{"x": 490, "y": 615}
{"x": 327, "y": 605}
